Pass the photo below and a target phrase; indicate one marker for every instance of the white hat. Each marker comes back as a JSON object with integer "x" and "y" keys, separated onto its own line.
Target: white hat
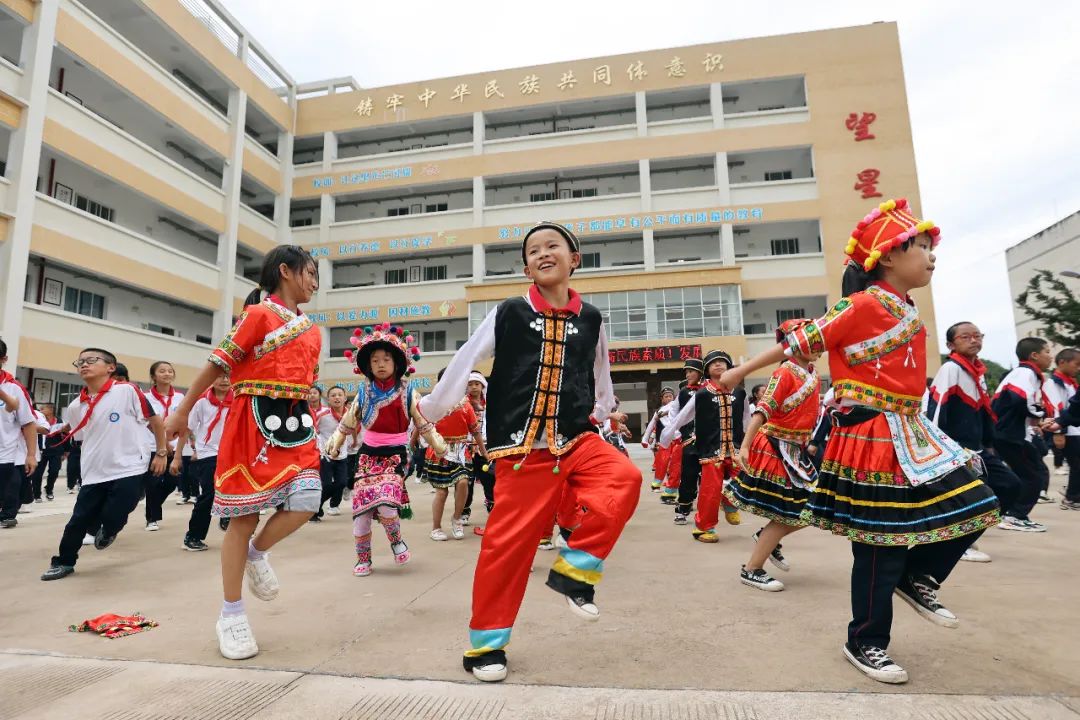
{"x": 478, "y": 377}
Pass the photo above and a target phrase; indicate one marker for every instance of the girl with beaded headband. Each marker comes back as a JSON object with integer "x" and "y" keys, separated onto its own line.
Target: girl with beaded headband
{"x": 907, "y": 497}
{"x": 383, "y": 406}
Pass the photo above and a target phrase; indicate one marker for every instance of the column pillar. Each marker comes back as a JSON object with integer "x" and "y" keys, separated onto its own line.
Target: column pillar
{"x": 641, "y": 112}
{"x": 645, "y": 182}
{"x": 727, "y": 244}
{"x": 479, "y": 260}
{"x": 24, "y": 159}
{"x": 716, "y": 104}
{"x": 478, "y": 132}
{"x": 650, "y": 249}
{"x": 283, "y": 209}
{"x": 227, "y": 241}
{"x": 723, "y": 179}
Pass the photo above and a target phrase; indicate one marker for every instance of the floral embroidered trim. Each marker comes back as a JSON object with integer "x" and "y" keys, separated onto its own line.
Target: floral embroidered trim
{"x": 855, "y": 475}
{"x": 809, "y": 386}
{"x": 271, "y": 388}
{"x": 220, "y": 362}
{"x": 283, "y": 335}
{"x": 230, "y": 352}
{"x": 782, "y": 433}
{"x": 878, "y": 398}
{"x": 948, "y": 532}
{"x": 892, "y": 339}
{"x": 808, "y": 339}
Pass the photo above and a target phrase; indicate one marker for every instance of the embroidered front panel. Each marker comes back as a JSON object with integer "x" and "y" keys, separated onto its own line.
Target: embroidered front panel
{"x": 768, "y": 404}
{"x": 892, "y": 339}
{"x": 923, "y": 451}
{"x": 877, "y": 398}
{"x": 808, "y": 386}
{"x": 782, "y": 433}
{"x": 283, "y": 335}
{"x": 271, "y": 388}
{"x": 372, "y": 400}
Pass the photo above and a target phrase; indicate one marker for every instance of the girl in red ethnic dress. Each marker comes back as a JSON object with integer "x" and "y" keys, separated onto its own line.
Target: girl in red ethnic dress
{"x": 777, "y": 475}
{"x": 906, "y": 495}
{"x": 382, "y": 409}
{"x": 268, "y": 455}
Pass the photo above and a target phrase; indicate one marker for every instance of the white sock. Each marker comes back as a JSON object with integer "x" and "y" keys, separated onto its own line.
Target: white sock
{"x": 232, "y": 609}
{"x": 254, "y": 554}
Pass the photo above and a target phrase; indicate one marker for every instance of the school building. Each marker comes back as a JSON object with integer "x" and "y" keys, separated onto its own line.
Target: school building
{"x": 152, "y": 152}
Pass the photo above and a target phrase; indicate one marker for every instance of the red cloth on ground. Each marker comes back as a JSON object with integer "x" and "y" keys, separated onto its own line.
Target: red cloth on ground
{"x": 115, "y": 626}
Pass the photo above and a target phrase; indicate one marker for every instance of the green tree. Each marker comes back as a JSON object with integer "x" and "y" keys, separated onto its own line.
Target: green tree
{"x": 1051, "y": 303}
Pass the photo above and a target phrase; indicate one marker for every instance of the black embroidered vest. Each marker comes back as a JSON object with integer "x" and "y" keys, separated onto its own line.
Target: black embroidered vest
{"x": 542, "y": 378}
{"x": 712, "y": 410}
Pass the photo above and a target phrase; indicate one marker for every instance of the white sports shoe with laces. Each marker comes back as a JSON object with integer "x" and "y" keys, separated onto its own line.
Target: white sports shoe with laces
{"x": 235, "y": 640}
{"x": 262, "y": 581}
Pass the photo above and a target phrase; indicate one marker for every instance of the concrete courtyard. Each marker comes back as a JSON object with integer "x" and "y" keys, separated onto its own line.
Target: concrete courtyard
{"x": 679, "y": 636}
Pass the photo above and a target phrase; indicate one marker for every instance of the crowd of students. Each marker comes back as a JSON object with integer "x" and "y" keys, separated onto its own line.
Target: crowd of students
{"x": 252, "y": 437}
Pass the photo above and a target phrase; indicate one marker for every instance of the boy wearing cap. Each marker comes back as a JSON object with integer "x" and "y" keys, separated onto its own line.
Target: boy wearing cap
{"x": 549, "y": 387}
{"x": 661, "y": 456}
{"x": 684, "y": 469}
{"x": 710, "y": 411}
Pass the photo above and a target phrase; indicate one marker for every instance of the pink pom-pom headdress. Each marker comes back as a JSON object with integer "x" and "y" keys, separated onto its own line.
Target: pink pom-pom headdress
{"x": 396, "y": 340}
{"x": 886, "y": 227}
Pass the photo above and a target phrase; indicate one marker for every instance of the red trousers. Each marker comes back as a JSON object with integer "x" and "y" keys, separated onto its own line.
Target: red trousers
{"x": 594, "y": 476}
{"x": 711, "y": 495}
{"x": 661, "y": 460}
{"x": 674, "y": 469}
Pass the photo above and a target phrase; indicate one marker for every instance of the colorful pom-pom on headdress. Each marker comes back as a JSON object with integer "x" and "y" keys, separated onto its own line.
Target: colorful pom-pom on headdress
{"x": 886, "y": 227}
{"x": 384, "y": 336}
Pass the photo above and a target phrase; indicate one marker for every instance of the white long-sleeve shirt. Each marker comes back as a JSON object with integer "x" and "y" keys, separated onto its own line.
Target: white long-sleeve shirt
{"x": 685, "y": 415}
{"x": 481, "y": 347}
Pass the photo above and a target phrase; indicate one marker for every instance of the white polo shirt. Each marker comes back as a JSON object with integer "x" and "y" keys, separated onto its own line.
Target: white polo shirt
{"x": 325, "y": 425}
{"x": 112, "y": 445}
{"x": 12, "y": 443}
{"x": 163, "y": 412}
{"x": 199, "y": 419}
{"x": 39, "y": 422}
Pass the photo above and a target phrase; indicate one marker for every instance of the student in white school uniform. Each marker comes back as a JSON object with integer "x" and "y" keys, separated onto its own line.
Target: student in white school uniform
{"x": 110, "y": 418}
{"x": 334, "y": 471}
{"x": 205, "y": 423}
{"x": 163, "y": 398}
{"x": 17, "y": 428}
{"x": 41, "y": 428}
{"x": 51, "y": 444}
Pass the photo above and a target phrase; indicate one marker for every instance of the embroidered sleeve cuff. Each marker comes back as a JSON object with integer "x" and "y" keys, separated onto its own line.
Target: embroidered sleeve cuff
{"x": 805, "y": 340}
{"x": 223, "y": 361}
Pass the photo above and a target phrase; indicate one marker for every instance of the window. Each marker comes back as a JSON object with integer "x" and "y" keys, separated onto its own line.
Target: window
{"x": 777, "y": 175}
{"x": 785, "y": 246}
{"x": 690, "y": 312}
{"x": 300, "y": 222}
{"x": 204, "y": 339}
{"x": 793, "y": 314}
{"x": 433, "y": 340}
{"x": 435, "y": 207}
{"x": 94, "y": 208}
{"x": 434, "y": 272}
{"x": 541, "y": 196}
{"x": 583, "y": 193}
{"x": 394, "y": 277}
{"x": 84, "y": 303}
{"x": 65, "y": 393}
{"x": 154, "y": 327}
{"x": 590, "y": 260}
{"x": 755, "y": 329}
{"x": 394, "y": 212}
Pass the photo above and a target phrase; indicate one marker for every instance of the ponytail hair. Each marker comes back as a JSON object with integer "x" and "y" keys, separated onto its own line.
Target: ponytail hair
{"x": 856, "y": 279}
{"x": 293, "y": 257}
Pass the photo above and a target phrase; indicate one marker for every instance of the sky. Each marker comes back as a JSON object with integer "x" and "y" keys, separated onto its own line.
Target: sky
{"x": 993, "y": 92}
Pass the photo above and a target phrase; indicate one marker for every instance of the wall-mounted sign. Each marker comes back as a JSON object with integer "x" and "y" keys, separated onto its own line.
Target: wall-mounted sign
{"x": 860, "y": 125}
{"x": 659, "y": 353}
{"x": 360, "y": 178}
{"x": 867, "y": 181}
{"x": 647, "y": 220}
{"x": 351, "y": 386}
{"x": 445, "y": 310}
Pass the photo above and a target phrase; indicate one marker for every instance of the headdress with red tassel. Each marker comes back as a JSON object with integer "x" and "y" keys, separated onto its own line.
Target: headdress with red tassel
{"x": 886, "y": 227}
{"x": 396, "y": 340}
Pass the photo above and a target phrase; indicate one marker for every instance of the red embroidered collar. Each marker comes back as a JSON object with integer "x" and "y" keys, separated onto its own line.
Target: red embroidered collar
{"x": 542, "y": 305}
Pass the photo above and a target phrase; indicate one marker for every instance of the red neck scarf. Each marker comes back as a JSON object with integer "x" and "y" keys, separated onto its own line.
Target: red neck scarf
{"x": 166, "y": 400}
{"x": 6, "y": 377}
{"x": 1070, "y": 382}
{"x": 221, "y": 405}
{"x": 337, "y": 415}
{"x": 91, "y": 403}
{"x": 1047, "y": 405}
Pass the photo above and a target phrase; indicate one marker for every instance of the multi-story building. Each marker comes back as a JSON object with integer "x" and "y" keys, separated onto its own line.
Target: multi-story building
{"x": 1057, "y": 249}
{"x": 153, "y": 152}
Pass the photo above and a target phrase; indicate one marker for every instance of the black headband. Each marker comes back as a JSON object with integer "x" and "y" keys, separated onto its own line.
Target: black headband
{"x": 548, "y": 225}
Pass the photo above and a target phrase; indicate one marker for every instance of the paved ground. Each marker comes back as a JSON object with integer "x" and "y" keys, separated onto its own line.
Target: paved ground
{"x": 675, "y": 619}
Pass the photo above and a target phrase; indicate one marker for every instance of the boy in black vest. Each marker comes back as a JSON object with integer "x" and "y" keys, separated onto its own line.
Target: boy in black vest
{"x": 549, "y": 387}
{"x": 710, "y": 412}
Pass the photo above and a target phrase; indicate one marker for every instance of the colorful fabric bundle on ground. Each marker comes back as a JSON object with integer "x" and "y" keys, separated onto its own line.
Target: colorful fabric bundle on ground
{"x": 115, "y": 626}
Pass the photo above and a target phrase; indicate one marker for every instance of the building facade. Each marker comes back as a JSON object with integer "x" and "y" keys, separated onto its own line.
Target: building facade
{"x": 1057, "y": 249}
{"x": 153, "y": 153}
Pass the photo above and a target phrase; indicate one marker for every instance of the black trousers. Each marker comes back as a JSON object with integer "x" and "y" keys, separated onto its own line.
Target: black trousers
{"x": 50, "y": 462}
{"x": 876, "y": 571}
{"x": 487, "y": 481}
{"x": 105, "y": 505}
{"x": 1027, "y": 463}
{"x": 1003, "y": 481}
{"x": 1059, "y": 456}
{"x": 185, "y": 483}
{"x": 689, "y": 479}
{"x": 335, "y": 476}
{"x": 1072, "y": 455}
{"x": 74, "y": 465}
{"x": 201, "y": 472}
{"x": 157, "y": 489}
{"x": 11, "y": 486}
{"x": 352, "y": 462}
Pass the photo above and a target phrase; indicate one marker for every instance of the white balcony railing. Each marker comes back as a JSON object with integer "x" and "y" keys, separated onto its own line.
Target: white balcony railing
{"x": 681, "y": 126}
{"x": 561, "y": 139}
{"x": 685, "y": 198}
{"x": 405, "y": 294}
{"x": 775, "y": 267}
{"x": 401, "y": 158}
{"x": 402, "y": 225}
{"x": 598, "y": 206}
{"x": 774, "y": 191}
{"x": 11, "y": 78}
{"x": 767, "y": 117}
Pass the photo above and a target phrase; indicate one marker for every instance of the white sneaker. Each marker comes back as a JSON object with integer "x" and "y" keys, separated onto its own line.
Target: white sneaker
{"x": 438, "y": 535}
{"x": 262, "y": 581}
{"x": 1008, "y": 522}
{"x": 88, "y": 540}
{"x": 496, "y": 672}
{"x": 456, "y": 529}
{"x": 1044, "y": 497}
{"x": 235, "y": 640}
{"x": 333, "y": 511}
{"x": 973, "y": 555}
{"x": 182, "y": 501}
{"x": 152, "y": 527}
